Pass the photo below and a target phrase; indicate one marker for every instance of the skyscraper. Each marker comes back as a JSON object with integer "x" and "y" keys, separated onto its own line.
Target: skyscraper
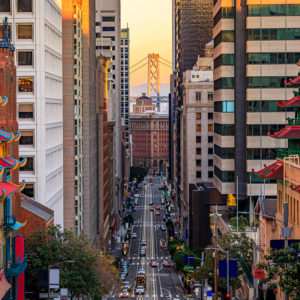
{"x": 125, "y": 88}
{"x": 36, "y": 32}
{"x": 256, "y": 50}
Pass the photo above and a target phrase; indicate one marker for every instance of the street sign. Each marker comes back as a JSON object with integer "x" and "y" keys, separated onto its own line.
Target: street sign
{"x": 188, "y": 268}
{"x": 232, "y": 268}
{"x": 52, "y": 295}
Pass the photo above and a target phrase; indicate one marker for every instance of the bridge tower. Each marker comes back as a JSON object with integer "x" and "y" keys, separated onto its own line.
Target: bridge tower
{"x": 153, "y": 74}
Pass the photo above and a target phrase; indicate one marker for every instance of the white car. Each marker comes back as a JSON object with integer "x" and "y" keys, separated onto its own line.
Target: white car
{"x": 141, "y": 272}
{"x": 134, "y": 235}
{"x": 140, "y": 290}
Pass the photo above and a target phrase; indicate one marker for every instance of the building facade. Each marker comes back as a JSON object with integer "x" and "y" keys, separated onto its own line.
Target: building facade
{"x": 256, "y": 48}
{"x": 196, "y": 134}
{"x": 36, "y": 31}
{"x": 150, "y": 137}
{"x": 125, "y": 84}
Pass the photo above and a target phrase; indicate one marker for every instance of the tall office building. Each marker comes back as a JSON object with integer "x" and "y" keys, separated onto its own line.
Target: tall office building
{"x": 256, "y": 50}
{"x": 125, "y": 88}
{"x": 36, "y": 32}
{"x": 73, "y": 111}
{"x": 108, "y": 41}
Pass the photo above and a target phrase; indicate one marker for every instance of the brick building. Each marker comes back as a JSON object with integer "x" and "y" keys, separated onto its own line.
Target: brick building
{"x": 150, "y": 135}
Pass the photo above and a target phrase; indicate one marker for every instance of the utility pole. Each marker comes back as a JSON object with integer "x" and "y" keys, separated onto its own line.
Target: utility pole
{"x": 216, "y": 261}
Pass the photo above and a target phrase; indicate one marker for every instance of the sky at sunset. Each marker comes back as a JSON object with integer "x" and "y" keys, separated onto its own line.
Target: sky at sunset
{"x": 150, "y": 24}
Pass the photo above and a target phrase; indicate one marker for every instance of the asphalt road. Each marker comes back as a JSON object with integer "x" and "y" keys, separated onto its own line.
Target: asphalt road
{"x": 161, "y": 282}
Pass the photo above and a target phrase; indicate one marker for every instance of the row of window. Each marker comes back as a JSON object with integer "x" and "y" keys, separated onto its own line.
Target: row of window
{"x": 24, "y": 31}
{"x": 22, "y": 6}
{"x": 199, "y": 174}
{"x": 261, "y": 153}
{"x": 210, "y": 127}
{"x": 273, "y": 34}
{"x": 273, "y": 58}
{"x": 210, "y": 162}
{"x": 224, "y": 60}
{"x": 224, "y": 83}
{"x": 224, "y": 12}
{"x": 274, "y": 10}
{"x": 228, "y": 176}
{"x": 209, "y": 115}
{"x": 210, "y": 139}
{"x": 210, "y": 96}
{"x": 210, "y": 151}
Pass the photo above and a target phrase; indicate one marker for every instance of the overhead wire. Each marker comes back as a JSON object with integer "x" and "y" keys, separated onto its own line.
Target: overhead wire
{"x": 165, "y": 60}
{"x": 139, "y": 68}
{"x": 138, "y": 62}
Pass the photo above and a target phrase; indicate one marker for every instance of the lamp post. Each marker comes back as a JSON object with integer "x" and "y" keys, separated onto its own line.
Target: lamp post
{"x": 51, "y": 266}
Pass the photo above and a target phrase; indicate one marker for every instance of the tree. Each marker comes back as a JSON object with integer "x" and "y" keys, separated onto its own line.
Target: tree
{"x": 54, "y": 247}
{"x": 243, "y": 222}
{"x": 284, "y": 265}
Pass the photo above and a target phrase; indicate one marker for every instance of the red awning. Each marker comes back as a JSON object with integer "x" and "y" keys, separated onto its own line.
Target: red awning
{"x": 8, "y": 188}
{"x": 295, "y": 102}
{"x": 274, "y": 170}
{"x": 12, "y": 163}
{"x": 288, "y": 132}
{"x": 4, "y": 285}
{"x": 293, "y": 81}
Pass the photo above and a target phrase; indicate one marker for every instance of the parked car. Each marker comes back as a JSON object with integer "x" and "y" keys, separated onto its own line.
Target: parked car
{"x": 163, "y": 227}
{"x": 166, "y": 263}
{"x": 143, "y": 252}
{"x": 123, "y": 276}
{"x": 140, "y": 290}
{"x": 143, "y": 244}
{"x": 126, "y": 286}
{"x": 157, "y": 213}
{"x": 141, "y": 272}
{"x": 134, "y": 235}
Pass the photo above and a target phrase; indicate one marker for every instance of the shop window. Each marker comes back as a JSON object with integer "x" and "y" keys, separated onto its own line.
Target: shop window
{"x": 25, "y": 85}
{"x": 25, "y": 58}
{"x": 26, "y": 138}
{"x": 24, "y": 5}
{"x": 5, "y": 5}
{"x": 24, "y": 31}
{"x": 25, "y": 111}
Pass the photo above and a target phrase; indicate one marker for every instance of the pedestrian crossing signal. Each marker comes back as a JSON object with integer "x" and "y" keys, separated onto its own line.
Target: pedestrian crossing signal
{"x": 231, "y": 200}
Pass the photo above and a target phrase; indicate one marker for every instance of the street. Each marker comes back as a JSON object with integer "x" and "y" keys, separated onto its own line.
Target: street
{"x": 161, "y": 282}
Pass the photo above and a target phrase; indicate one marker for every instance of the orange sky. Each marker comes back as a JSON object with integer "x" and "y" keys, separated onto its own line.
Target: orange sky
{"x": 150, "y": 24}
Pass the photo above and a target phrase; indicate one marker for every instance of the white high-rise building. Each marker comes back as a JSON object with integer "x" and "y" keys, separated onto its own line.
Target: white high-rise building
{"x": 36, "y": 32}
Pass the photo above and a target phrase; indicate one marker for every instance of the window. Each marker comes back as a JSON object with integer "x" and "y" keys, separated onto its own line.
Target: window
{"x": 266, "y": 82}
{"x": 210, "y": 162}
{"x": 198, "y": 96}
{"x": 198, "y": 162}
{"x": 273, "y": 58}
{"x": 198, "y": 127}
{"x": 210, "y": 151}
{"x": 210, "y": 174}
{"x": 108, "y": 28}
{"x": 26, "y": 137}
{"x": 24, "y": 31}
{"x": 224, "y": 60}
{"x": 224, "y": 83}
{"x": 198, "y": 116}
{"x": 4, "y": 6}
{"x": 25, "y": 111}
{"x": 210, "y": 116}
{"x": 224, "y": 129}
{"x": 25, "y": 85}
{"x": 28, "y": 166}
{"x": 224, "y": 106}
{"x": 24, "y": 5}
{"x": 225, "y": 153}
{"x": 24, "y": 58}
{"x": 198, "y": 151}
{"x": 198, "y": 139}
{"x": 108, "y": 19}
{"x": 29, "y": 190}
{"x": 198, "y": 174}
{"x": 210, "y": 96}
{"x": 274, "y": 34}
{"x": 210, "y": 127}
{"x": 210, "y": 139}
{"x": 224, "y": 176}
{"x": 274, "y": 10}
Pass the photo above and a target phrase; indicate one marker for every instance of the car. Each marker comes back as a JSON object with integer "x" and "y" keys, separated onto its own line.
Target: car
{"x": 143, "y": 244}
{"x": 157, "y": 207}
{"x": 163, "y": 227}
{"x": 141, "y": 272}
{"x": 166, "y": 263}
{"x": 140, "y": 290}
{"x": 151, "y": 203}
{"x": 157, "y": 213}
{"x": 123, "y": 276}
{"x": 125, "y": 270}
{"x": 134, "y": 235}
{"x": 126, "y": 286}
{"x": 124, "y": 294}
{"x": 143, "y": 252}
{"x": 153, "y": 263}
{"x": 151, "y": 208}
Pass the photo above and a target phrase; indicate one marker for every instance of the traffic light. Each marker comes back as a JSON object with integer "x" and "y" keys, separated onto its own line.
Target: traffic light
{"x": 227, "y": 296}
{"x": 231, "y": 200}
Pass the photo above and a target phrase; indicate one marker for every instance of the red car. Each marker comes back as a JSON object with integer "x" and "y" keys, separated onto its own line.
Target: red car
{"x": 157, "y": 213}
{"x": 166, "y": 263}
{"x": 151, "y": 208}
{"x": 157, "y": 207}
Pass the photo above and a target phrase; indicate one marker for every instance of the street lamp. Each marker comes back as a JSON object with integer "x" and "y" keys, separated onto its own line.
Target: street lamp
{"x": 51, "y": 266}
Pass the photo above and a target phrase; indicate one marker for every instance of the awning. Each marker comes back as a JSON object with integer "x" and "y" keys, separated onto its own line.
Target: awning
{"x": 288, "y": 132}
{"x": 12, "y": 163}
{"x": 293, "y": 81}
{"x": 4, "y": 285}
{"x": 8, "y": 188}
{"x": 274, "y": 170}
